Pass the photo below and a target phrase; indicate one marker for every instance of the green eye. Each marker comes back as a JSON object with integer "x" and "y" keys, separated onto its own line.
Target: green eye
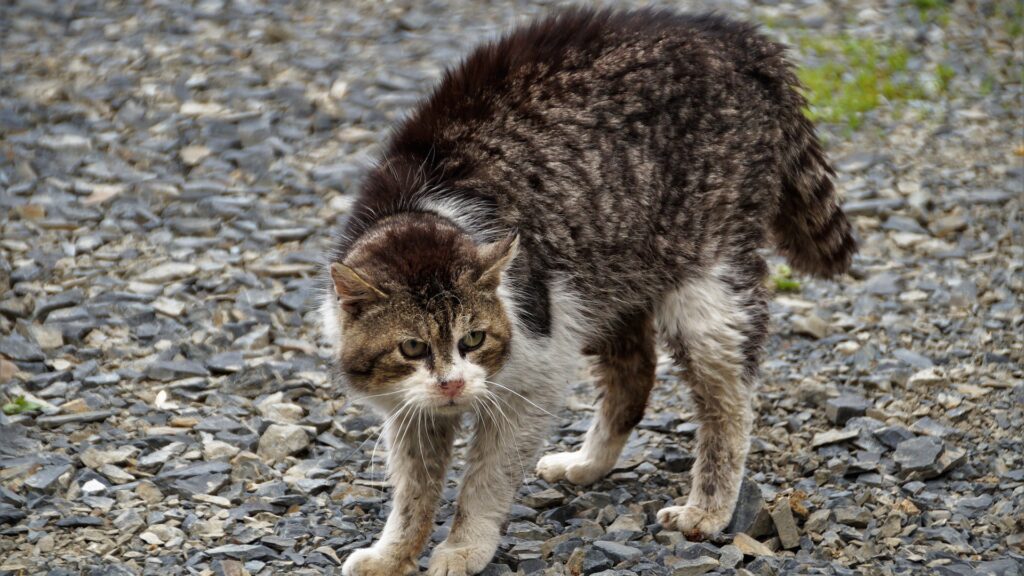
{"x": 472, "y": 341}
{"x": 413, "y": 349}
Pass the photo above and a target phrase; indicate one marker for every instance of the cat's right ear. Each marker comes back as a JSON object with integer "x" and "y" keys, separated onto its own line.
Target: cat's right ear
{"x": 494, "y": 258}
{"x": 352, "y": 289}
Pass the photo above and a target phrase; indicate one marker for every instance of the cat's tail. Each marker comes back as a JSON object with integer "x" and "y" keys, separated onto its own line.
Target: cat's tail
{"x": 810, "y": 229}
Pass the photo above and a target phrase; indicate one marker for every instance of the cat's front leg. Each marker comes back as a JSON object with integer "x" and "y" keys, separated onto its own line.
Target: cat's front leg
{"x": 505, "y": 444}
{"x": 420, "y": 451}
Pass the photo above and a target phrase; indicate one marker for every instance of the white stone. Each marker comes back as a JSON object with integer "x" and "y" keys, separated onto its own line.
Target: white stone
{"x": 193, "y": 155}
{"x": 282, "y": 440}
{"x": 93, "y": 486}
{"x": 48, "y": 337}
{"x": 848, "y": 347}
{"x": 811, "y": 325}
{"x": 167, "y": 272}
{"x": 216, "y": 449}
{"x": 169, "y": 307}
{"x": 96, "y": 459}
{"x": 282, "y": 412}
{"x": 927, "y": 377}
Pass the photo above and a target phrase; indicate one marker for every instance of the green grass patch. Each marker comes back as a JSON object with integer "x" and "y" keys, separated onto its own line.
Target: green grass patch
{"x": 1013, "y": 15}
{"x": 782, "y": 280}
{"x": 937, "y": 10}
{"x": 845, "y": 77}
{"x": 19, "y": 405}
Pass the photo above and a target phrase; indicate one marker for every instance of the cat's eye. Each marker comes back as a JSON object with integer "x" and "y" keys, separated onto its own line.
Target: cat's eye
{"x": 472, "y": 341}
{"x": 413, "y": 349}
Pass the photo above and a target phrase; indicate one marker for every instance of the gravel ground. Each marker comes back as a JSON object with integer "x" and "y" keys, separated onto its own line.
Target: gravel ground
{"x": 170, "y": 173}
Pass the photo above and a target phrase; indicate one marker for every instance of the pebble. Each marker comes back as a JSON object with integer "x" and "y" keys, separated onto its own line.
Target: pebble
{"x": 832, "y": 437}
{"x": 617, "y": 552}
{"x": 785, "y": 524}
{"x": 840, "y": 410}
{"x": 750, "y": 547}
{"x": 168, "y": 272}
{"x": 810, "y": 325}
{"x": 694, "y": 567}
{"x": 282, "y": 440}
{"x": 918, "y": 456}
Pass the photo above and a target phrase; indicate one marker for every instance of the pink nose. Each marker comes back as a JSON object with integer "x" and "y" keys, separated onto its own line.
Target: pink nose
{"x": 451, "y": 388}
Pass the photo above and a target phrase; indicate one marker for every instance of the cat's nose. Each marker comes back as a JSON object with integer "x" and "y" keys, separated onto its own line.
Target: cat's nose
{"x": 451, "y": 388}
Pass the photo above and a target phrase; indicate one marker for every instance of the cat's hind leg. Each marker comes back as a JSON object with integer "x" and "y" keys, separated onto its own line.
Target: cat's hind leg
{"x": 625, "y": 366}
{"x": 714, "y": 325}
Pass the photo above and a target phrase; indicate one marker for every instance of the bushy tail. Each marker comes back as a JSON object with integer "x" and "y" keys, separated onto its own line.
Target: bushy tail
{"x": 810, "y": 229}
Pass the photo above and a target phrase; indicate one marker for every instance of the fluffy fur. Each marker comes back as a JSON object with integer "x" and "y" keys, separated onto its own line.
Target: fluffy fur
{"x": 590, "y": 183}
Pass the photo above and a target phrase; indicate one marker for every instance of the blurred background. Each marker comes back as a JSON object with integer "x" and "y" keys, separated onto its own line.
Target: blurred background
{"x": 171, "y": 172}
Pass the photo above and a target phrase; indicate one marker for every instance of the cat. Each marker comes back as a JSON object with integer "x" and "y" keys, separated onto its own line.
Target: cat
{"x": 593, "y": 182}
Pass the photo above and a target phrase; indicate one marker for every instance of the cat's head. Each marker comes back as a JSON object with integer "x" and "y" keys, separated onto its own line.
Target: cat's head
{"x": 416, "y": 315}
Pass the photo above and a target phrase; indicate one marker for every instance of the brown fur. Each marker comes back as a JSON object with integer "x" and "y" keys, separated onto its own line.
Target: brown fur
{"x": 625, "y": 369}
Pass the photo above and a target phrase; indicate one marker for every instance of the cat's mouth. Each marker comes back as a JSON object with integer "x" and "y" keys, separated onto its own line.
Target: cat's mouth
{"x": 451, "y": 408}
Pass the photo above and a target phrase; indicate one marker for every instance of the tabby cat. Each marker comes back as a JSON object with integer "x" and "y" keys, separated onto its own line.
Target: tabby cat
{"x": 594, "y": 182}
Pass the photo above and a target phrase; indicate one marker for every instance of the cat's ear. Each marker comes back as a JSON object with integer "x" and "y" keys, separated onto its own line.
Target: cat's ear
{"x": 352, "y": 289}
{"x": 494, "y": 258}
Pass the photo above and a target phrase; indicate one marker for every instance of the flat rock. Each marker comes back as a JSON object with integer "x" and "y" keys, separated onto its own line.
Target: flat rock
{"x": 785, "y": 524}
{"x": 617, "y": 552}
{"x": 543, "y": 499}
{"x": 919, "y": 456}
{"x": 694, "y": 567}
{"x": 17, "y": 347}
{"x": 95, "y": 458}
{"x": 79, "y": 418}
{"x": 840, "y": 410}
{"x": 751, "y": 547}
{"x": 833, "y": 437}
{"x": 168, "y": 272}
{"x": 282, "y": 440}
{"x": 750, "y": 515}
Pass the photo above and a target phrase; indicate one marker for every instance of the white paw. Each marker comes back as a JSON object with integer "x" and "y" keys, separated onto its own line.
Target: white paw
{"x": 693, "y": 521}
{"x": 458, "y": 561}
{"x": 371, "y": 562}
{"x": 572, "y": 466}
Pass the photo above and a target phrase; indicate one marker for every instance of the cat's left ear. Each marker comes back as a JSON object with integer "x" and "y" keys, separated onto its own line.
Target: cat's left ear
{"x": 494, "y": 259}
{"x": 352, "y": 289}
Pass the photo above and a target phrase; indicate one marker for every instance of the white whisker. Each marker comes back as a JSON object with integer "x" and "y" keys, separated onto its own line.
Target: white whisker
{"x": 530, "y": 402}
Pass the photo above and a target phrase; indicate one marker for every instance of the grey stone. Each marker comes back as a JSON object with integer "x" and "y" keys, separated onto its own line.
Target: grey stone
{"x": 65, "y": 299}
{"x": 785, "y": 524}
{"x": 873, "y": 207}
{"x": 242, "y": 551}
{"x": 543, "y": 499}
{"x": 842, "y": 409}
{"x": 884, "y": 284}
{"x": 197, "y": 469}
{"x": 225, "y": 363}
{"x": 750, "y": 515}
{"x": 79, "y": 418}
{"x": 853, "y": 516}
{"x": 617, "y": 552}
{"x": 892, "y": 436}
{"x": 79, "y": 521}
{"x": 912, "y": 358}
{"x": 175, "y": 370}
{"x": 16, "y": 347}
{"x": 693, "y": 567}
{"x": 918, "y": 455}
{"x": 46, "y": 478}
